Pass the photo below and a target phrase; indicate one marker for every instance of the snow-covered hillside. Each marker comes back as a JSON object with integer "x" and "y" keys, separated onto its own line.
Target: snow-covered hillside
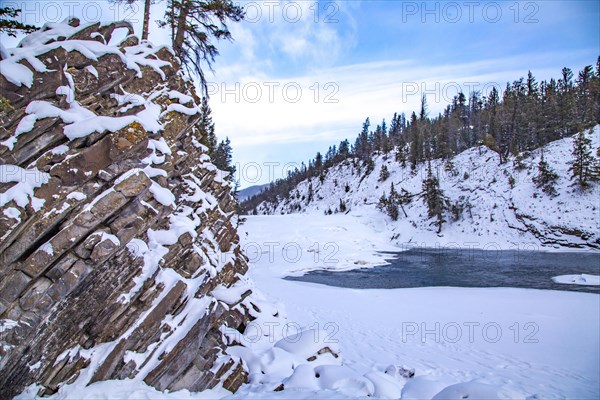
{"x": 492, "y": 213}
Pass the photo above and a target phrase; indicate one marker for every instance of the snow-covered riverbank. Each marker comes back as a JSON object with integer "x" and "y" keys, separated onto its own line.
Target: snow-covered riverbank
{"x": 515, "y": 343}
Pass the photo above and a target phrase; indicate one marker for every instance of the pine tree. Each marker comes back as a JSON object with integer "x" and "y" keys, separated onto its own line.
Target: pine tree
{"x": 585, "y": 100}
{"x": 549, "y": 113}
{"x": 193, "y": 24}
{"x": 389, "y": 205}
{"x": 344, "y": 149}
{"x": 434, "y": 198}
{"x": 415, "y": 144}
{"x": 362, "y": 148}
{"x": 401, "y": 155}
{"x": 207, "y": 128}
{"x": 384, "y": 173}
{"x": 566, "y": 103}
{"x": 546, "y": 177}
{"x": 423, "y": 112}
{"x": 10, "y": 26}
{"x": 595, "y": 89}
{"x": 318, "y": 162}
{"x": 597, "y": 166}
{"x": 530, "y": 114}
{"x": 581, "y": 166}
{"x": 222, "y": 158}
{"x": 342, "y": 206}
{"x": 393, "y": 203}
{"x": 383, "y": 203}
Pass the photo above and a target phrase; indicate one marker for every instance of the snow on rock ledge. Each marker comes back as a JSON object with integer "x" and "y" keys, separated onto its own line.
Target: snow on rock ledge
{"x": 111, "y": 239}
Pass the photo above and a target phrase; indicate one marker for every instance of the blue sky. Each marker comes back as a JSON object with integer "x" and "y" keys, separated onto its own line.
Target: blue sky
{"x": 296, "y": 80}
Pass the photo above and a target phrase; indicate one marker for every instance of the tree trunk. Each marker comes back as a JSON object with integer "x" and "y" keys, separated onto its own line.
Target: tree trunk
{"x": 403, "y": 210}
{"x": 180, "y": 33}
{"x": 145, "y": 26}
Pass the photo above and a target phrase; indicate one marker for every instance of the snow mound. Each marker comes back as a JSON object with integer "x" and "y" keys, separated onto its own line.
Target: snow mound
{"x": 582, "y": 279}
{"x": 307, "y": 343}
{"x": 468, "y": 390}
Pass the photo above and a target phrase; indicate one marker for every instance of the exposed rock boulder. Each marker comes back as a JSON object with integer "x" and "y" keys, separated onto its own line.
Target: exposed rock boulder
{"x": 114, "y": 225}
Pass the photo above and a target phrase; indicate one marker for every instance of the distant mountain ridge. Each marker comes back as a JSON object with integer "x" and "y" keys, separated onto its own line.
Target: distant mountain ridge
{"x": 250, "y": 191}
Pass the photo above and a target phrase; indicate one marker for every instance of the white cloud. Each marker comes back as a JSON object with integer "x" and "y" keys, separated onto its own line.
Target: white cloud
{"x": 299, "y": 30}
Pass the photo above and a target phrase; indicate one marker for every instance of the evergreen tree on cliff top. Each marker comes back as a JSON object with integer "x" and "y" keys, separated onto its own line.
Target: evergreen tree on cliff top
{"x": 11, "y": 26}
{"x": 194, "y": 24}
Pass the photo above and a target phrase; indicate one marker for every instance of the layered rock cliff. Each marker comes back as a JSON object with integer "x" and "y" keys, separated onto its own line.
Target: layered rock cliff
{"x": 118, "y": 242}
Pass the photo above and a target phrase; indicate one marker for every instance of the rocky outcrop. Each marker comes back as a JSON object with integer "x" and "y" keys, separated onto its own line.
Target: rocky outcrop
{"x": 114, "y": 225}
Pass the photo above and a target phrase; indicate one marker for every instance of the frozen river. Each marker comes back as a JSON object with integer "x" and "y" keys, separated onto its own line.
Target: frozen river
{"x": 422, "y": 267}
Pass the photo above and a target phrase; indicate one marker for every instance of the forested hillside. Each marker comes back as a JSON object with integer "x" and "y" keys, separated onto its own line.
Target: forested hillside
{"x": 487, "y": 167}
{"x": 528, "y": 115}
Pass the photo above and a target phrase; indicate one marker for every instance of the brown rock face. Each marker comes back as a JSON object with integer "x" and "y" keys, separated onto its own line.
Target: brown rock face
{"x": 109, "y": 261}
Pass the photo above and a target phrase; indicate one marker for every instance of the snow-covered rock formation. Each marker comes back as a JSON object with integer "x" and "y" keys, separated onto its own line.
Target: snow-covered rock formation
{"x": 489, "y": 204}
{"x": 119, "y": 251}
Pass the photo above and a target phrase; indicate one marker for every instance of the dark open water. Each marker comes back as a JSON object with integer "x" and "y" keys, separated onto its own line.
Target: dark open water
{"x": 421, "y": 267}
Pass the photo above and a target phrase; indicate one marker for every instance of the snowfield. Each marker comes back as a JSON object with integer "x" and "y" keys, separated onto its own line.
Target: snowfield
{"x": 311, "y": 341}
{"x": 461, "y": 343}
{"x": 291, "y": 245}
{"x": 484, "y": 343}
